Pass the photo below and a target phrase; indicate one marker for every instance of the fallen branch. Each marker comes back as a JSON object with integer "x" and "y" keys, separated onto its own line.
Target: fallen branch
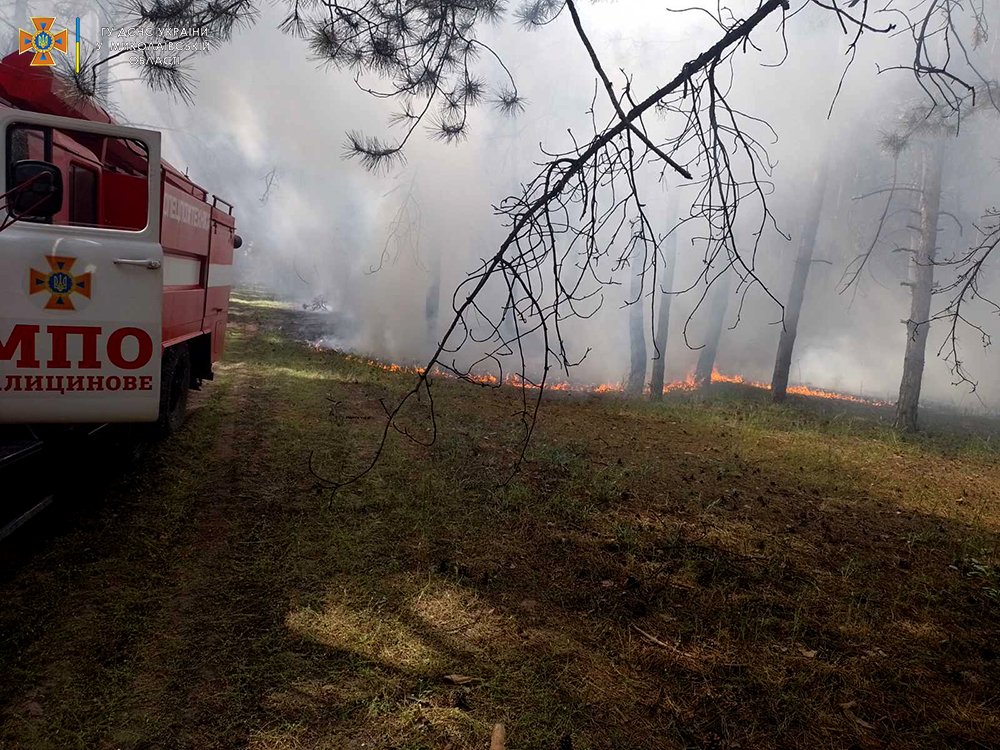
{"x": 499, "y": 739}
{"x": 654, "y": 639}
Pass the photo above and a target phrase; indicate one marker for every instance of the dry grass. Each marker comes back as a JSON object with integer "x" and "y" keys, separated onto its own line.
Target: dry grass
{"x": 720, "y": 574}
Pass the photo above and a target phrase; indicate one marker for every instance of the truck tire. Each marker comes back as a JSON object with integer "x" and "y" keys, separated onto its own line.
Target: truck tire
{"x": 175, "y": 377}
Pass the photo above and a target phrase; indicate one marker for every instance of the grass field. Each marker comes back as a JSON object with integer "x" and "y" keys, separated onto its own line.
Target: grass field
{"x": 702, "y": 573}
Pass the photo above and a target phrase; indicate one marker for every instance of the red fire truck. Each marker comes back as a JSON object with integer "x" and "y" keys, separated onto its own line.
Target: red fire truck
{"x": 115, "y": 268}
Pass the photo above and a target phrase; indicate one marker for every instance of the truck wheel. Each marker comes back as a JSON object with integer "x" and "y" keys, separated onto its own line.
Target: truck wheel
{"x": 175, "y": 377}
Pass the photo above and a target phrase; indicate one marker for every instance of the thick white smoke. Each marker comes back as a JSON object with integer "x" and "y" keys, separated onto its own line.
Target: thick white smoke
{"x": 262, "y": 107}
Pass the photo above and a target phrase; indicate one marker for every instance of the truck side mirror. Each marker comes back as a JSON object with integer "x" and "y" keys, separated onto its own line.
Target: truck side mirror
{"x": 38, "y": 189}
{"x": 237, "y": 242}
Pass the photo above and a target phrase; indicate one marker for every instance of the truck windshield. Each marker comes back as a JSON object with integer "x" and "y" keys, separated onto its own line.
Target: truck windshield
{"x": 105, "y": 178}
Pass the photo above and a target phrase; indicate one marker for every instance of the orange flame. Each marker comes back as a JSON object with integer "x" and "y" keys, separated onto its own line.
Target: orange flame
{"x": 685, "y": 385}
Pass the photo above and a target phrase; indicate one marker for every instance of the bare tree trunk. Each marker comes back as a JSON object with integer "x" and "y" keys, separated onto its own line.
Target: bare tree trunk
{"x": 717, "y": 315}
{"x": 19, "y": 19}
{"x": 433, "y": 299}
{"x": 797, "y": 293}
{"x": 921, "y": 285}
{"x": 636, "y": 326}
{"x": 663, "y": 316}
{"x": 105, "y": 17}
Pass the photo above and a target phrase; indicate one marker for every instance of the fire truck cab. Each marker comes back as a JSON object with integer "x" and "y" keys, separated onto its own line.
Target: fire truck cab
{"x": 115, "y": 269}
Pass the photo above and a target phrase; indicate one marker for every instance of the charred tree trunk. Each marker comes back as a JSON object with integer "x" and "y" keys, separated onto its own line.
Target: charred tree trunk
{"x": 921, "y": 285}
{"x": 636, "y": 327}
{"x": 663, "y": 318}
{"x": 797, "y": 293}
{"x": 717, "y": 315}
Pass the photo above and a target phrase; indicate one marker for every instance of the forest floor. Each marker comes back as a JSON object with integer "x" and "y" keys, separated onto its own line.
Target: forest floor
{"x": 701, "y": 573}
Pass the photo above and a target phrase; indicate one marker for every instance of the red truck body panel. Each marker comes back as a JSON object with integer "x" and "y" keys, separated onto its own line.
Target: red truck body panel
{"x": 197, "y": 237}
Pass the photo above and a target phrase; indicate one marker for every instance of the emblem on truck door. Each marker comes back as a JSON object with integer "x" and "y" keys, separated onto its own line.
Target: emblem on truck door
{"x": 59, "y": 283}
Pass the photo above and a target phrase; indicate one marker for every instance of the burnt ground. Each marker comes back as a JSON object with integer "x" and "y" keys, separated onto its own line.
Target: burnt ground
{"x": 709, "y": 572}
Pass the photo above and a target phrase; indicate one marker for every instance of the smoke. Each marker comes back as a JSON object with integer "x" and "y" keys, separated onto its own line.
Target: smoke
{"x": 386, "y": 251}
